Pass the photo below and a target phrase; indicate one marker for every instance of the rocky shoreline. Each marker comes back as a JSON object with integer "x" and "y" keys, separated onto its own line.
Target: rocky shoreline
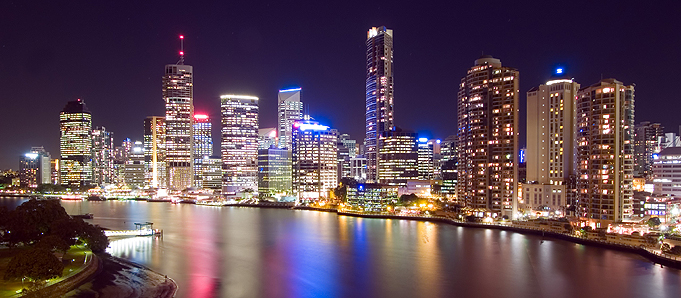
{"x": 119, "y": 278}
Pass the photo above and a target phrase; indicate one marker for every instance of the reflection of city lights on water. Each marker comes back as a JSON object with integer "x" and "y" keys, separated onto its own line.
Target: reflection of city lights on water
{"x": 136, "y": 249}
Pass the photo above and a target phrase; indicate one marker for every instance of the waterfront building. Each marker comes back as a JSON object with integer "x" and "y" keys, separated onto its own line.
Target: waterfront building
{"x": 274, "y": 172}
{"x": 358, "y": 168}
{"x": 448, "y": 171}
{"x": 371, "y": 196}
{"x": 347, "y": 149}
{"x": 314, "y": 158}
{"x": 488, "y": 138}
{"x": 379, "y": 94}
{"x": 211, "y": 173}
{"x": 666, "y": 166}
{"x": 134, "y": 166}
{"x": 75, "y": 146}
{"x": 267, "y": 137}
{"x": 290, "y": 110}
{"x": 239, "y": 144}
{"x": 551, "y": 147}
{"x": 398, "y": 157}
{"x": 54, "y": 171}
{"x": 429, "y": 159}
{"x": 34, "y": 168}
{"x": 155, "y": 174}
{"x": 647, "y": 141}
{"x": 178, "y": 94}
{"x": 605, "y": 135}
{"x": 202, "y": 147}
{"x": 102, "y": 156}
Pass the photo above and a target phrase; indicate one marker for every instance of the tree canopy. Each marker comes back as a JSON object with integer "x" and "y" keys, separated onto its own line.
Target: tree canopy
{"x": 36, "y": 264}
{"x": 31, "y": 220}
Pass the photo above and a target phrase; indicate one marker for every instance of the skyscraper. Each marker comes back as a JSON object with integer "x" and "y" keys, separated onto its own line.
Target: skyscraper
{"x": 203, "y": 146}
{"x": 178, "y": 94}
{"x": 239, "y": 144}
{"x": 398, "y": 157}
{"x": 290, "y": 110}
{"x": 34, "y": 168}
{"x": 488, "y": 138}
{"x": 75, "y": 145}
{"x": 134, "y": 166}
{"x": 274, "y": 171}
{"x": 605, "y": 136}
{"x": 379, "y": 93}
{"x": 315, "y": 163}
{"x": 648, "y": 139}
{"x": 551, "y": 147}
{"x": 155, "y": 174}
{"x": 102, "y": 156}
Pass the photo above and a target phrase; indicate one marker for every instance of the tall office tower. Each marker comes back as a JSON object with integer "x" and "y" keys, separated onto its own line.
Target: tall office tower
{"x": 488, "y": 138}
{"x": 551, "y": 147}
{"x": 290, "y": 110}
{"x": 605, "y": 153}
{"x": 203, "y": 146}
{"x": 134, "y": 166}
{"x": 102, "y": 156}
{"x": 647, "y": 141}
{"x": 315, "y": 163}
{"x": 347, "y": 149}
{"x": 398, "y": 157}
{"x": 267, "y": 137}
{"x": 155, "y": 152}
{"x": 379, "y": 94}
{"x": 448, "y": 171}
{"x": 54, "y": 169}
{"x": 34, "y": 168}
{"x": 358, "y": 168}
{"x": 75, "y": 145}
{"x": 121, "y": 155}
{"x": 178, "y": 94}
{"x": 429, "y": 159}
{"x": 212, "y": 173}
{"x": 239, "y": 145}
{"x": 274, "y": 171}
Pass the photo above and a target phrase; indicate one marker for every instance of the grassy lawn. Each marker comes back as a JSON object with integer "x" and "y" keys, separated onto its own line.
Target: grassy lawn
{"x": 74, "y": 261}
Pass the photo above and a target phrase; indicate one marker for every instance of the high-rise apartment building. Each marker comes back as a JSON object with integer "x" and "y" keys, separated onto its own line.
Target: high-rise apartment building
{"x": 75, "y": 144}
{"x": 398, "y": 157}
{"x": 290, "y": 110}
{"x": 203, "y": 146}
{"x": 155, "y": 174}
{"x": 178, "y": 94}
{"x": 102, "y": 156}
{"x": 379, "y": 94}
{"x": 34, "y": 168}
{"x": 488, "y": 138}
{"x": 551, "y": 148}
{"x": 648, "y": 139}
{"x": 315, "y": 163}
{"x": 239, "y": 144}
{"x": 605, "y": 153}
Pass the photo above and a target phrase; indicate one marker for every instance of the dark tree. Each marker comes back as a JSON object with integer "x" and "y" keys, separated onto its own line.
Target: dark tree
{"x": 654, "y": 221}
{"x": 31, "y": 220}
{"x": 94, "y": 237}
{"x": 676, "y": 250}
{"x": 53, "y": 243}
{"x": 36, "y": 264}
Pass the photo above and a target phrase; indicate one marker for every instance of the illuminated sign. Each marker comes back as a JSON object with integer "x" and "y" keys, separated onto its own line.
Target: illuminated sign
{"x": 290, "y": 90}
{"x": 309, "y": 126}
{"x": 423, "y": 140}
{"x": 559, "y": 71}
{"x": 31, "y": 155}
{"x": 201, "y": 116}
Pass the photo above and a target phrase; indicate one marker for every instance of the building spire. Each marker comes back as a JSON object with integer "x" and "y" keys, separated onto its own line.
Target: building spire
{"x": 181, "y": 62}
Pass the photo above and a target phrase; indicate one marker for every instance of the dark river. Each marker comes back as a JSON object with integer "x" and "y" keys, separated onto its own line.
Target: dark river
{"x": 251, "y": 252}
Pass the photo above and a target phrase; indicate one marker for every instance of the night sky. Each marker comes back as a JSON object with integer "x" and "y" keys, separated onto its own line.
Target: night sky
{"x": 112, "y": 56}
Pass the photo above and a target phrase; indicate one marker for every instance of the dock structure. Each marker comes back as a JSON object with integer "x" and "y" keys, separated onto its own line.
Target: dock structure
{"x": 141, "y": 229}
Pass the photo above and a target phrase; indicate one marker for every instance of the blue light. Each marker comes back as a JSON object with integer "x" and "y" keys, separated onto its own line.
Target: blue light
{"x": 423, "y": 140}
{"x": 290, "y": 90}
{"x": 559, "y": 70}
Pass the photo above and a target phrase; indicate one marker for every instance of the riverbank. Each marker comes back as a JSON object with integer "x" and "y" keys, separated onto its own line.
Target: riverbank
{"x": 119, "y": 278}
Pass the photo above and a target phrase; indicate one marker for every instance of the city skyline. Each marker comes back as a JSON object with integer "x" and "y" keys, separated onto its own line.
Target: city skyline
{"x": 134, "y": 63}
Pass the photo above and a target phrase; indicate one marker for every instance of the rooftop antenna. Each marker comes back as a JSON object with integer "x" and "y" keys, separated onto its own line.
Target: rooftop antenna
{"x": 181, "y": 62}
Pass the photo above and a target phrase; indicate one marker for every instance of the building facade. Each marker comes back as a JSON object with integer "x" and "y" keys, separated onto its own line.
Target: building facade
{"x": 488, "y": 138}
{"x": 239, "y": 144}
{"x": 315, "y": 163}
{"x": 274, "y": 171}
{"x": 34, "y": 168}
{"x": 290, "y": 110}
{"x": 648, "y": 139}
{"x": 102, "y": 156}
{"x": 398, "y": 157}
{"x": 155, "y": 174}
{"x": 178, "y": 94}
{"x": 667, "y": 172}
{"x": 551, "y": 147}
{"x": 134, "y": 166}
{"x": 605, "y": 136}
{"x": 75, "y": 144}
{"x": 202, "y": 147}
{"x": 379, "y": 94}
